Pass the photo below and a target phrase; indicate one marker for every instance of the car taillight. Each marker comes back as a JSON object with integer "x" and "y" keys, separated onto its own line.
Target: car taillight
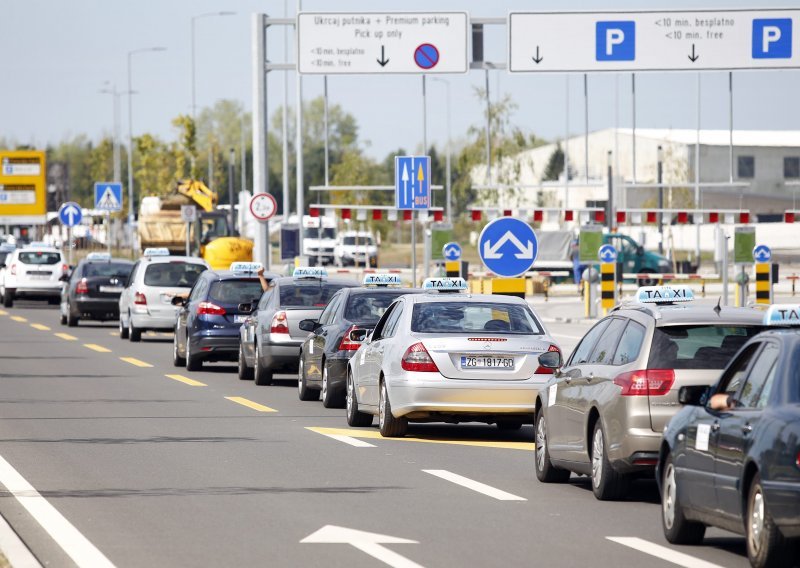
{"x": 82, "y": 287}
{"x": 64, "y": 268}
{"x": 544, "y": 370}
{"x": 653, "y": 382}
{"x": 209, "y": 309}
{"x": 13, "y": 269}
{"x": 347, "y": 343}
{"x": 279, "y": 323}
{"x": 417, "y": 358}
{"x": 797, "y": 460}
{"x": 139, "y": 299}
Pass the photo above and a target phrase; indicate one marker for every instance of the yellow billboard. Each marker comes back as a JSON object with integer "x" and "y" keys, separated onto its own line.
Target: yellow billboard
{"x": 23, "y": 193}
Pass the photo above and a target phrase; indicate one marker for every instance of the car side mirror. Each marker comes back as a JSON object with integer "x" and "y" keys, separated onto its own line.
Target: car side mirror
{"x": 368, "y": 338}
{"x": 358, "y": 335}
{"x": 309, "y": 325}
{"x": 178, "y": 301}
{"x": 550, "y": 360}
{"x": 693, "y": 395}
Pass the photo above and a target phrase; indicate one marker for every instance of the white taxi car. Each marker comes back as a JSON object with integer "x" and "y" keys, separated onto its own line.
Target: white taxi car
{"x": 146, "y": 300}
{"x": 448, "y": 356}
{"x": 33, "y": 272}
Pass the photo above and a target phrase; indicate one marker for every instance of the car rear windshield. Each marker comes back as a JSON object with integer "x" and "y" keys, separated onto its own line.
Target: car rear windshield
{"x": 470, "y": 317}
{"x": 697, "y": 346}
{"x": 313, "y": 294}
{"x": 107, "y": 269}
{"x": 40, "y": 257}
{"x": 173, "y": 274}
{"x": 315, "y": 233}
{"x": 235, "y": 291}
{"x": 369, "y": 307}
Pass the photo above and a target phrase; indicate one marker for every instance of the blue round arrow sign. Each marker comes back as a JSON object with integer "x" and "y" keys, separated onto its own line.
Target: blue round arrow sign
{"x": 508, "y": 247}
{"x": 762, "y": 253}
{"x": 607, "y": 253}
{"x": 451, "y": 251}
{"x": 70, "y": 214}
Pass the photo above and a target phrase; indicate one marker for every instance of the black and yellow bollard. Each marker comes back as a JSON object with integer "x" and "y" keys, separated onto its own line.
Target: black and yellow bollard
{"x": 452, "y": 268}
{"x": 763, "y": 283}
{"x": 509, "y": 287}
{"x": 607, "y": 291}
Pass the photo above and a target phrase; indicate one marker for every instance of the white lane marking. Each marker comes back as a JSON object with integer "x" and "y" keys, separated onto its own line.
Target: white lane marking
{"x": 15, "y": 551}
{"x": 672, "y": 556}
{"x": 474, "y": 485}
{"x": 77, "y": 546}
{"x": 346, "y": 439}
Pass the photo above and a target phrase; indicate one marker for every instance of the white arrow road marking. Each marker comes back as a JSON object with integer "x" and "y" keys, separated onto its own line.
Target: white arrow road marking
{"x": 498, "y": 494}
{"x": 366, "y": 542}
{"x": 490, "y": 251}
{"x": 673, "y": 556}
{"x": 77, "y": 546}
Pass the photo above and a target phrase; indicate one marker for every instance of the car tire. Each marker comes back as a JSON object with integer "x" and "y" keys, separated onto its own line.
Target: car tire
{"x": 177, "y": 360}
{"x": 193, "y": 362}
{"x": 330, "y": 397}
{"x": 607, "y": 483}
{"x": 355, "y": 417}
{"x": 8, "y": 299}
{"x": 123, "y": 329}
{"x": 62, "y": 319}
{"x": 245, "y": 372}
{"x": 546, "y": 472}
{"x": 134, "y": 334}
{"x": 72, "y": 321}
{"x": 261, "y": 375}
{"x": 677, "y": 529}
{"x": 766, "y": 545}
{"x": 508, "y": 425}
{"x": 390, "y": 426}
{"x": 303, "y": 392}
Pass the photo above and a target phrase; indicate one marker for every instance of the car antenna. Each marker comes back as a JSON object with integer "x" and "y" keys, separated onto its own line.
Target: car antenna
{"x": 717, "y": 308}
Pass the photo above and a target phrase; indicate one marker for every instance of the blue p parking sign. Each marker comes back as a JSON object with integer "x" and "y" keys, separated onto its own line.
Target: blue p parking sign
{"x": 772, "y": 38}
{"x": 615, "y": 41}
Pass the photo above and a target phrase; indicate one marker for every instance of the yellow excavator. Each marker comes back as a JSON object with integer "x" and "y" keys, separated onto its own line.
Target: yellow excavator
{"x": 211, "y": 236}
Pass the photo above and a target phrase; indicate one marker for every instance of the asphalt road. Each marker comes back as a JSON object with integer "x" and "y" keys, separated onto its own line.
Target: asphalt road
{"x": 146, "y": 470}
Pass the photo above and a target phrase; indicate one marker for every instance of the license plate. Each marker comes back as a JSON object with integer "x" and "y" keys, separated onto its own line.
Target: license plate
{"x": 111, "y": 289}
{"x": 39, "y": 276}
{"x": 484, "y": 362}
{"x": 239, "y": 319}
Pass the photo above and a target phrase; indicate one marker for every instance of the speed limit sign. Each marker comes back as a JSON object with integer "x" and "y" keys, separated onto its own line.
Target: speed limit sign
{"x": 263, "y": 206}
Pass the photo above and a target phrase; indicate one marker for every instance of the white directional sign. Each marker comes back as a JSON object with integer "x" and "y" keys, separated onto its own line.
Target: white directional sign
{"x": 653, "y": 41}
{"x": 382, "y": 42}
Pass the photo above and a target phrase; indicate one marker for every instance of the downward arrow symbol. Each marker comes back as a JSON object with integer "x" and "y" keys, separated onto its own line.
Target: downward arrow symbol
{"x": 537, "y": 59}
{"x": 382, "y": 61}
{"x": 693, "y": 57}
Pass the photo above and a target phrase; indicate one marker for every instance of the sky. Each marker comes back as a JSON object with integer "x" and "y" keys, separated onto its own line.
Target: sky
{"x": 55, "y": 57}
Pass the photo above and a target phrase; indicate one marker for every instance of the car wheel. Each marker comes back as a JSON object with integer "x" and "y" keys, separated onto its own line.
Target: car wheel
{"x": 123, "y": 329}
{"x": 766, "y": 546}
{"x": 677, "y": 529}
{"x": 607, "y": 483}
{"x": 509, "y": 425}
{"x": 193, "y": 362}
{"x": 354, "y": 416}
{"x": 177, "y": 360}
{"x": 245, "y": 372}
{"x": 134, "y": 334}
{"x": 8, "y": 299}
{"x": 303, "y": 392}
{"x": 62, "y": 320}
{"x": 262, "y": 376}
{"x": 330, "y": 397}
{"x": 390, "y": 426}
{"x": 72, "y": 321}
{"x": 546, "y": 472}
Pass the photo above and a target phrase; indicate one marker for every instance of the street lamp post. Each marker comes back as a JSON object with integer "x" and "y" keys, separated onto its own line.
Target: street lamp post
{"x": 194, "y": 85}
{"x": 448, "y": 201}
{"x": 130, "y": 137}
{"x": 116, "y": 154}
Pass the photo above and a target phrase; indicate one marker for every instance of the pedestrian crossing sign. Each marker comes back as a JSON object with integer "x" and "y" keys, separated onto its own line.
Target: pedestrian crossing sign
{"x": 108, "y": 196}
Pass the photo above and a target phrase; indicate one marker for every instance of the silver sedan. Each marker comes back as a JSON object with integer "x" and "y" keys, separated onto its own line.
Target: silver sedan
{"x": 449, "y": 357}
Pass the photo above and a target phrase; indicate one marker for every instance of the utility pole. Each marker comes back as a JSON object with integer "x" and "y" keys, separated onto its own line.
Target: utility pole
{"x": 232, "y": 201}
{"x": 660, "y": 180}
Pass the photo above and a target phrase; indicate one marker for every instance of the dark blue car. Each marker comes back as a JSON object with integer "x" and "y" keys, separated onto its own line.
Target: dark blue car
{"x": 731, "y": 457}
{"x": 207, "y": 324}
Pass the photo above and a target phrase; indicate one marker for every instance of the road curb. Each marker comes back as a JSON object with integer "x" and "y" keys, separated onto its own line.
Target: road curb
{"x": 15, "y": 551}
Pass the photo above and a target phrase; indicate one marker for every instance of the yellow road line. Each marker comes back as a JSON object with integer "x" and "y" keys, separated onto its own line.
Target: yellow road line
{"x": 66, "y": 336}
{"x": 136, "y": 362}
{"x": 113, "y": 333}
{"x": 18, "y": 318}
{"x": 3, "y": 313}
{"x": 98, "y": 348}
{"x": 187, "y": 380}
{"x": 250, "y": 404}
{"x": 375, "y": 435}
{"x": 40, "y": 327}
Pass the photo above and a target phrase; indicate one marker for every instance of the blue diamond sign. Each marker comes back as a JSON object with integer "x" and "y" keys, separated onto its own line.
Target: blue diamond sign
{"x": 508, "y": 247}
{"x": 607, "y": 253}
{"x": 762, "y": 253}
{"x": 451, "y": 251}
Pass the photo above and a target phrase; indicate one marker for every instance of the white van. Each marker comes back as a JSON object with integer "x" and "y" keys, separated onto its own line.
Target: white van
{"x": 319, "y": 239}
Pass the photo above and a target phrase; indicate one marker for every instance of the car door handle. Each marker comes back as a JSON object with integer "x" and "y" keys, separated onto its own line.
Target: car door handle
{"x": 747, "y": 428}
{"x": 567, "y": 379}
{"x": 715, "y": 426}
{"x": 590, "y": 377}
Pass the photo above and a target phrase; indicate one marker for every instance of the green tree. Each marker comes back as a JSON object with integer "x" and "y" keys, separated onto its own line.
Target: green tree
{"x": 555, "y": 165}
{"x": 186, "y": 149}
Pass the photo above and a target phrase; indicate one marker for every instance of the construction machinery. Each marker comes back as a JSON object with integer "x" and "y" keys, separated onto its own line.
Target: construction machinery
{"x": 210, "y": 236}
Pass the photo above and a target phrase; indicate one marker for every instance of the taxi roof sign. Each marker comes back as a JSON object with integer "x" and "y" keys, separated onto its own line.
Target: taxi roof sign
{"x": 445, "y": 285}
{"x": 782, "y": 314}
{"x": 156, "y": 251}
{"x": 101, "y": 256}
{"x": 246, "y": 267}
{"x": 382, "y": 280}
{"x": 310, "y": 272}
{"x": 664, "y": 294}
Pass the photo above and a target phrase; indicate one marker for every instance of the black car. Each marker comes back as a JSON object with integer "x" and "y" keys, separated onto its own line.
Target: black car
{"x": 207, "y": 324}
{"x": 731, "y": 457}
{"x": 350, "y": 314}
{"x": 92, "y": 290}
